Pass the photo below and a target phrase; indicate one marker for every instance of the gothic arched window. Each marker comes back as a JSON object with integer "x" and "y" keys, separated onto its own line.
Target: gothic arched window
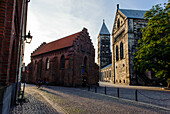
{"x": 70, "y": 62}
{"x": 47, "y": 64}
{"x": 117, "y": 53}
{"x": 121, "y": 50}
{"x": 35, "y": 64}
{"x": 62, "y": 62}
{"x": 85, "y": 62}
{"x": 118, "y": 23}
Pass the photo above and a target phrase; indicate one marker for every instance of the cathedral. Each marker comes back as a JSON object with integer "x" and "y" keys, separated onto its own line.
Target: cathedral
{"x": 125, "y": 35}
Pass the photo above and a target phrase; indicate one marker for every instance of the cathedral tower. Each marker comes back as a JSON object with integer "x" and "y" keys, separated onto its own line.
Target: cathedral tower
{"x": 104, "y": 53}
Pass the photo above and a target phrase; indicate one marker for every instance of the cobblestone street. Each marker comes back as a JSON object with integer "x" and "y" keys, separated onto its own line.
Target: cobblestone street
{"x": 34, "y": 106}
{"x": 53, "y": 99}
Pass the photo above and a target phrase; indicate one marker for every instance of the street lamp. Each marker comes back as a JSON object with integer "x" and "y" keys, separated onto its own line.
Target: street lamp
{"x": 28, "y": 38}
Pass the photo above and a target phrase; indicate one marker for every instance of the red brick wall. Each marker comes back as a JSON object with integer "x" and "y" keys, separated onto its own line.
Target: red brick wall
{"x": 74, "y": 59}
{"x": 10, "y": 25}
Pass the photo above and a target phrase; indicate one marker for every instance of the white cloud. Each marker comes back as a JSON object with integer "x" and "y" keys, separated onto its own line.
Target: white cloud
{"x": 49, "y": 20}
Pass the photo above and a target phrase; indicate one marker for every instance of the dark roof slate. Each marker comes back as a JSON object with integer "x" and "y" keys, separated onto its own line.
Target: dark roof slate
{"x": 107, "y": 66}
{"x": 104, "y": 30}
{"x": 139, "y": 14}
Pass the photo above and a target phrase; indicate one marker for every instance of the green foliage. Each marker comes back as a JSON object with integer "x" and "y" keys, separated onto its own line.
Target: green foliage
{"x": 154, "y": 47}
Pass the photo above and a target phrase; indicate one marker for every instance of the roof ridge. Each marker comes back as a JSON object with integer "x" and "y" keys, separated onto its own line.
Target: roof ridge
{"x": 130, "y": 13}
{"x": 133, "y": 9}
{"x": 57, "y": 44}
{"x": 64, "y": 37}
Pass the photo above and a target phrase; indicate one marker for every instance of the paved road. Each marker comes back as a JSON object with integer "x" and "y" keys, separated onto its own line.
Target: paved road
{"x": 34, "y": 106}
{"x": 74, "y": 100}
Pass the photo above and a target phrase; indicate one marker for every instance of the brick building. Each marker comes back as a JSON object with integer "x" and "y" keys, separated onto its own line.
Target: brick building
{"x": 61, "y": 61}
{"x": 13, "y": 18}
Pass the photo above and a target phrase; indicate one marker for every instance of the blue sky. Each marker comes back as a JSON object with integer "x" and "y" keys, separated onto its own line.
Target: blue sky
{"x": 49, "y": 20}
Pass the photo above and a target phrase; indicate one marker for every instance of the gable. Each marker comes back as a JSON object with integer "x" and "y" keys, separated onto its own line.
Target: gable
{"x": 58, "y": 44}
{"x": 119, "y": 18}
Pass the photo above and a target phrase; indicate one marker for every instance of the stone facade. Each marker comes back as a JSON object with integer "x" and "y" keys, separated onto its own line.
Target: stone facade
{"x": 104, "y": 52}
{"x": 106, "y": 73}
{"x": 60, "y": 62}
{"x": 125, "y": 35}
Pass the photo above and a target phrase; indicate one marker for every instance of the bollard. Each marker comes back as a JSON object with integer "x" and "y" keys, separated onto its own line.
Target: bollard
{"x": 95, "y": 89}
{"x": 105, "y": 90}
{"x": 117, "y": 92}
{"x": 136, "y": 95}
{"x": 88, "y": 88}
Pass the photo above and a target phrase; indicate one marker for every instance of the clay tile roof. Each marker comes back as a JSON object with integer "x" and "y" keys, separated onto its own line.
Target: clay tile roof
{"x": 57, "y": 44}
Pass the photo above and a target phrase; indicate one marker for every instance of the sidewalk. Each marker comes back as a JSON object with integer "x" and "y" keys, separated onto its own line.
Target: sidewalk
{"x": 108, "y": 84}
{"x": 34, "y": 106}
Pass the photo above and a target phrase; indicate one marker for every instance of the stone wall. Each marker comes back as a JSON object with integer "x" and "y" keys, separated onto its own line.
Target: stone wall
{"x": 106, "y": 73}
{"x": 126, "y": 31}
{"x": 7, "y": 97}
{"x": 120, "y": 35}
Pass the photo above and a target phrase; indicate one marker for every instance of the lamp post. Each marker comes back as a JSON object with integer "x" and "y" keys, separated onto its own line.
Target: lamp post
{"x": 27, "y": 39}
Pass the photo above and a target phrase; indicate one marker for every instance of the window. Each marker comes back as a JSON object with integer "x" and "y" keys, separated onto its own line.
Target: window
{"x": 121, "y": 50}
{"x": 118, "y": 23}
{"x": 62, "y": 62}
{"x": 47, "y": 64}
{"x": 117, "y": 53}
{"x": 69, "y": 62}
{"x": 85, "y": 62}
{"x": 35, "y": 65}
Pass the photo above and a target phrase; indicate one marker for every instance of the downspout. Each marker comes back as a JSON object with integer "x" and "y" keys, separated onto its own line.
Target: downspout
{"x": 20, "y": 54}
{"x": 114, "y": 66}
{"x": 113, "y": 58}
{"x": 73, "y": 72}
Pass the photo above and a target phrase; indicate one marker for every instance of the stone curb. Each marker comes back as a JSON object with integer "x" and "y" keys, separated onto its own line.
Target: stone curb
{"x": 134, "y": 87}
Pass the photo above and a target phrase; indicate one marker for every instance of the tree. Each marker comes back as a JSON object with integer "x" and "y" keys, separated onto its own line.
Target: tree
{"x": 154, "y": 47}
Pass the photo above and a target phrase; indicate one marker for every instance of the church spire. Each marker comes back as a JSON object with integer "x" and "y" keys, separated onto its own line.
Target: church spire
{"x": 104, "y": 29}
